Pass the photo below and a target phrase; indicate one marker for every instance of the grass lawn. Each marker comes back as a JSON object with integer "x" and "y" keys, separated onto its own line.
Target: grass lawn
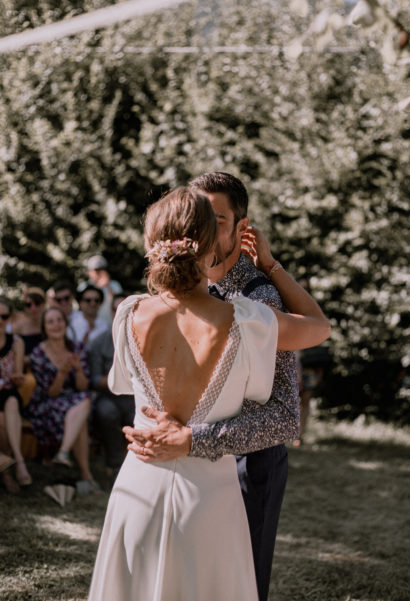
{"x": 344, "y": 533}
{"x": 343, "y": 536}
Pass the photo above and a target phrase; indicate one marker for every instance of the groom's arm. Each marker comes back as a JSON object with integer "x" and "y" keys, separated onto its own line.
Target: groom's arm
{"x": 256, "y": 427}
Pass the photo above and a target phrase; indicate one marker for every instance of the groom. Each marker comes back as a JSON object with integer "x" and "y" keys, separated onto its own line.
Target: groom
{"x": 258, "y": 433}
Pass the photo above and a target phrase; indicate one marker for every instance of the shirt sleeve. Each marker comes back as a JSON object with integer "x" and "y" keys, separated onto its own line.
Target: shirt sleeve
{"x": 256, "y": 427}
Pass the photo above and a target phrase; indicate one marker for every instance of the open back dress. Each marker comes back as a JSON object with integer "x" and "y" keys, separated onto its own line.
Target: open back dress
{"x": 177, "y": 530}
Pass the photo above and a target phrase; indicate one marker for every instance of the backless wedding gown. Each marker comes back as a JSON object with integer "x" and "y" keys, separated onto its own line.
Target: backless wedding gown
{"x": 177, "y": 530}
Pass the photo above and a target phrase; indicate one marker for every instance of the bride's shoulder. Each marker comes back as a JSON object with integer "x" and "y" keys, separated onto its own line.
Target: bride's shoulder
{"x": 128, "y": 305}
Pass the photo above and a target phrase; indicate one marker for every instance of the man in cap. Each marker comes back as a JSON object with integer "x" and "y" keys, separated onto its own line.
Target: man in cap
{"x": 99, "y": 276}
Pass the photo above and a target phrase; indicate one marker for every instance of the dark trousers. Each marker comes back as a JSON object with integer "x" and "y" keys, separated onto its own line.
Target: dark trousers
{"x": 262, "y": 476}
{"x": 112, "y": 413}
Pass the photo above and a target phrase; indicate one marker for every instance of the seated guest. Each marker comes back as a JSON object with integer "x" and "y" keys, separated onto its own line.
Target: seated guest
{"x": 28, "y": 323}
{"x": 11, "y": 376}
{"x": 62, "y": 295}
{"x": 112, "y": 412}
{"x": 86, "y": 324}
{"x": 60, "y": 404}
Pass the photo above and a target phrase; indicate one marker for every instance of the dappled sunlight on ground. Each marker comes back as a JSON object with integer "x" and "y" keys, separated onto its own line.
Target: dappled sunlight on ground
{"x": 320, "y": 550}
{"x": 367, "y": 465}
{"x": 361, "y": 429}
{"x": 346, "y": 503}
{"x": 68, "y": 528}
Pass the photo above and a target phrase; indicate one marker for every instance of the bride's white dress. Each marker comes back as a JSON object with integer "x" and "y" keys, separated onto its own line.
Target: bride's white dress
{"x": 177, "y": 530}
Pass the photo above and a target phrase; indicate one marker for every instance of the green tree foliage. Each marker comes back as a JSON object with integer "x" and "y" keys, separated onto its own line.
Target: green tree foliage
{"x": 92, "y": 129}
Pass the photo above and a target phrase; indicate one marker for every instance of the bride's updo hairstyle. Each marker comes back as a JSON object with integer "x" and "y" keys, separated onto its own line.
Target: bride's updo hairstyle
{"x": 180, "y": 230}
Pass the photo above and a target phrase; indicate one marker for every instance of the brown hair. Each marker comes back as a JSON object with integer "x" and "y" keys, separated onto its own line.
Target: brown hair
{"x": 68, "y": 344}
{"x": 225, "y": 183}
{"x": 183, "y": 213}
{"x": 37, "y": 295}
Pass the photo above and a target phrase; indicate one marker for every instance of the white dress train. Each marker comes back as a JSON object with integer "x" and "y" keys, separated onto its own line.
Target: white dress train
{"x": 177, "y": 530}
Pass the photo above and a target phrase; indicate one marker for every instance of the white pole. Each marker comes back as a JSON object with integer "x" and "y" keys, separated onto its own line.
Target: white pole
{"x": 103, "y": 17}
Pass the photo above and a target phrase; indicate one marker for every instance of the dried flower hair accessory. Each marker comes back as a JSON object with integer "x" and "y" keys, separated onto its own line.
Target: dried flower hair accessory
{"x": 165, "y": 251}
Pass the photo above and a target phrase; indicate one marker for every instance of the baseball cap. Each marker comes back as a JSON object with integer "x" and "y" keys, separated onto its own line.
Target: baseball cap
{"x": 97, "y": 262}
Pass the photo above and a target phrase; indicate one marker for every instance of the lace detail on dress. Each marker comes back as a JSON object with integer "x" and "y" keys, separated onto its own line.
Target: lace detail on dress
{"x": 140, "y": 366}
{"x": 219, "y": 376}
{"x": 215, "y": 385}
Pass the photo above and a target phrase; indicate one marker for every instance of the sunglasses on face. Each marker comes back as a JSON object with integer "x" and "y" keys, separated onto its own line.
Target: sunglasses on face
{"x": 4, "y": 316}
{"x": 33, "y": 303}
{"x": 62, "y": 299}
{"x": 91, "y": 300}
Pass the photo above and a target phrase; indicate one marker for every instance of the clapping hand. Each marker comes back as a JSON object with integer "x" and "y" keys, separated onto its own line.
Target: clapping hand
{"x": 18, "y": 379}
{"x": 169, "y": 439}
{"x": 76, "y": 362}
{"x": 67, "y": 365}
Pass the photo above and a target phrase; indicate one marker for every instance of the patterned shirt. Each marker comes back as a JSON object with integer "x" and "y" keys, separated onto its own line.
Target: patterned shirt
{"x": 257, "y": 426}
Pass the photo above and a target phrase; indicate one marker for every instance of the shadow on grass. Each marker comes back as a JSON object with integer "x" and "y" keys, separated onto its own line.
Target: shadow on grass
{"x": 388, "y": 449}
{"x": 47, "y": 552}
{"x": 340, "y": 535}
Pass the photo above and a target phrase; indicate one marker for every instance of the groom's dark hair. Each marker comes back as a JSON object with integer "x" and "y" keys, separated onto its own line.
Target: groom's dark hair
{"x": 224, "y": 183}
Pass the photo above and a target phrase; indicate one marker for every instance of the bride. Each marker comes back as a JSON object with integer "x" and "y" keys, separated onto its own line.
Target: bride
{"x": 177, "y": 530}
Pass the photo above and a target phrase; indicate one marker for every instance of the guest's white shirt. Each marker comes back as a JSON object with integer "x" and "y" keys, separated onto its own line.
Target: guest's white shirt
{"x": 71, "y": 334}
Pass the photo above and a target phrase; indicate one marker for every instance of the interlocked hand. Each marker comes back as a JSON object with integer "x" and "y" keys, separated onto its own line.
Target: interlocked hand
{"x": 169, "y": 439}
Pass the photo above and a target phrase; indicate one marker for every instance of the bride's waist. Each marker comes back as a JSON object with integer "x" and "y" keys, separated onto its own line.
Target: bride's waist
{"x": 141, "y": 421}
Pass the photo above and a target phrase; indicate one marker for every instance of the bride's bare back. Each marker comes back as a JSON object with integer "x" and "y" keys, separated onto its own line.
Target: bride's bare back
{"x": 181, "y": 343}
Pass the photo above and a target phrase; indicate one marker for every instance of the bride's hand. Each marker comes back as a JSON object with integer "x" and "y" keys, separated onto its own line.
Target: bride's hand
{"x": 168, "y": 440}
{"x": 256, "y": 245}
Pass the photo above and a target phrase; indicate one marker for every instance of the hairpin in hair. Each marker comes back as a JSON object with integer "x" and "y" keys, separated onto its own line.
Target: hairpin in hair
{"x": 165, "y": 251}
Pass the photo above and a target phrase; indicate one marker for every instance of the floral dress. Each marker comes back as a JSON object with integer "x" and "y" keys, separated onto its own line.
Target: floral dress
{"x": 47, "y": 413}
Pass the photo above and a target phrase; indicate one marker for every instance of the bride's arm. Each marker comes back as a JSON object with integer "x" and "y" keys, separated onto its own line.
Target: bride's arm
{"x": 305, "y": 325}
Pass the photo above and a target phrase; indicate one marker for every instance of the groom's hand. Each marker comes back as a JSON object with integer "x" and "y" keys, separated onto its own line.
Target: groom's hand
{"x": 168, "y": 440}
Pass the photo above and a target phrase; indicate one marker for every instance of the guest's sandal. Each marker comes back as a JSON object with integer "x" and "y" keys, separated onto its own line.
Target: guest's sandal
{"x": 63, "y": 458}
{"x": 5, "y": 462}
{"x": 22, "y": 475}
{"x": 85, "y": 487}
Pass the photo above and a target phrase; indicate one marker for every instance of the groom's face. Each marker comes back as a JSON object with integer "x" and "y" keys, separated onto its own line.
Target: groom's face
{"x": 230, "y": 233}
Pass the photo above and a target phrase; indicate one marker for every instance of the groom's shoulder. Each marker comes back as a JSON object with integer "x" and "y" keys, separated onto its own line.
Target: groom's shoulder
{"x": 256, "y": 286}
